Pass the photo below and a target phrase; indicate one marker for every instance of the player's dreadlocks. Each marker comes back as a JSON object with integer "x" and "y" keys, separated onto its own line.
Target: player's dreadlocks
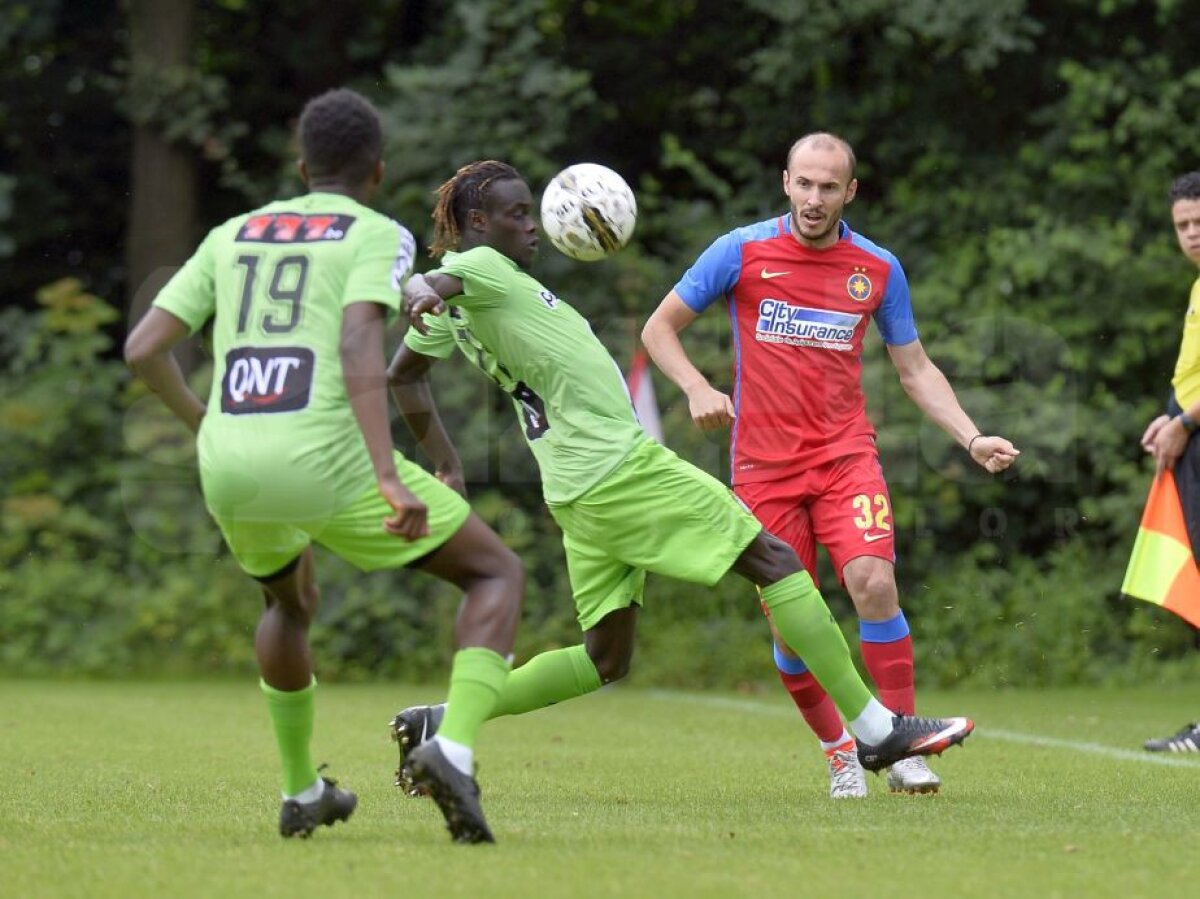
{"x": 340, "y": 136}
{"x": 467, "y": 190}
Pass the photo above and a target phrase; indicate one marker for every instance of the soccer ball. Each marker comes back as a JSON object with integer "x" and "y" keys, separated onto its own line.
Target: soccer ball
{"x": 588, "y": 211}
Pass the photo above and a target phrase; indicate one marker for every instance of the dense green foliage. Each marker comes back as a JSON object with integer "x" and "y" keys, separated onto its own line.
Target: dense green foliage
{"x": 1015, "y": 155}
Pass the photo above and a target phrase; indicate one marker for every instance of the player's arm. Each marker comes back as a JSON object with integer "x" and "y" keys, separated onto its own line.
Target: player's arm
{"x": 361, "y": 351}
{"x": 710, "y": 409}
{"x": 408, "y": 377}
{"x": 926, "y": 386}
{"x": 427, "y": 294}
{"x": 148, "y": 355}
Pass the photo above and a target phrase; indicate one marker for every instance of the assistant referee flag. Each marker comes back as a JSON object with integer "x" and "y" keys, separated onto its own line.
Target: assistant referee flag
{"x": 1162, "y": 568}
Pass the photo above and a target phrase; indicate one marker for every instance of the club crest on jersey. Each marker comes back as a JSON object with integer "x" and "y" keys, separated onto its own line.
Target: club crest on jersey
{"x": 293, "y": 227}
{"x": 782, "y": 322}
{"x": 858, "y": 285}
{"x": 266, "y": 379}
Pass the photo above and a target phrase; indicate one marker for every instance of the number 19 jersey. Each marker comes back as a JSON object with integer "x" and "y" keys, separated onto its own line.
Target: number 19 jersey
{"x": 279, "y": 428}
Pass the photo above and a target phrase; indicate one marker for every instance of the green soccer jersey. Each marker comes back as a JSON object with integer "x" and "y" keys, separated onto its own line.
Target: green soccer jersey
{"x": 566, "y": 388}
{"x": 279, "y": 425}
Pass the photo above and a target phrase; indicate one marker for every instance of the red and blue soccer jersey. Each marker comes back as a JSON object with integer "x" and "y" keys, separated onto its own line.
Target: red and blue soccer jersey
{"x": 799, "y": 316}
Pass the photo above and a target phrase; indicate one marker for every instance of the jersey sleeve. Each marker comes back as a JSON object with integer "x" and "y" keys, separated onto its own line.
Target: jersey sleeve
{"x": 191, "y": 294}
{"x": 485, "y": 275}
{"x": 438, "y": 343}
{"x": 713, "y": 275}
{"x": 894, "y": 317}
{"x": 382, "y": 263}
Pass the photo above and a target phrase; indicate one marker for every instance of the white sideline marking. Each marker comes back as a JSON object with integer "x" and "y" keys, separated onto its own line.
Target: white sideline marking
{"x": 992, "y": 733}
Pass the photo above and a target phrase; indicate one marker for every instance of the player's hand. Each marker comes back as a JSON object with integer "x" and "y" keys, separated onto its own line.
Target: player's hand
{"x": 1168, "y": 445}
{"x": 411, "y": 520}
{"x": 1152, "y": 431}
{"x": 710, "y": 409}
{"x": 416, "y": 305}
{"x": 993, "y": 453}
{"x": 452, "y": 476}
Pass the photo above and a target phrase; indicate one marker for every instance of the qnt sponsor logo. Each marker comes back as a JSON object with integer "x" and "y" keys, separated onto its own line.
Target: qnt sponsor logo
{"x": 266, "y": 379}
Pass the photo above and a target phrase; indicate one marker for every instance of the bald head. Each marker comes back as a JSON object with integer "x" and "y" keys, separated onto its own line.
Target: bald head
{"x": 823, "y": 140}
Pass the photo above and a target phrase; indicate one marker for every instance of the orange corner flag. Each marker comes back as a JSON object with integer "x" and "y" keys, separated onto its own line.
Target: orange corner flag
{"x": 1162, "y": 568}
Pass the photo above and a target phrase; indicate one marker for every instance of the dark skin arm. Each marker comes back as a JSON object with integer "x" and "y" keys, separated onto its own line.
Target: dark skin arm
{"x": 408, "y": 377}
{"x": 148, "y": 355}
{"x": 426, "y": 293}
{"x": 361, "y": 350}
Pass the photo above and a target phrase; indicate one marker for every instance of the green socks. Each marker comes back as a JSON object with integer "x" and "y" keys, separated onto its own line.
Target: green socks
{"x": 476, "y": 679}
{"x": 292, "y": 714}
{"x": 546, "y": 679}
{"x": 807, "y": 626}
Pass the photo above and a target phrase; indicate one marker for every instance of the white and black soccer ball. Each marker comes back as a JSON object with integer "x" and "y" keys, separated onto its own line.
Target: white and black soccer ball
{"x": 588, "y": 211}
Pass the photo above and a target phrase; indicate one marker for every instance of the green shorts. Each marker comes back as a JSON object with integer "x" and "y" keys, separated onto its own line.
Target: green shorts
{"x": 655, "y": 513}
{"x": 263, "y": 546}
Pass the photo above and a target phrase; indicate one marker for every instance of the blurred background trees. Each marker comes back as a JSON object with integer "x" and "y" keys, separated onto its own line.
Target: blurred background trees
{"x": 1014, "y": 154}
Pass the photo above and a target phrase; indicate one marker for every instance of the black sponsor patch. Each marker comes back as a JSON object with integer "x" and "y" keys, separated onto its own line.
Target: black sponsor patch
{"x": 266, "y": 379}
{"x": 293, "y": 227}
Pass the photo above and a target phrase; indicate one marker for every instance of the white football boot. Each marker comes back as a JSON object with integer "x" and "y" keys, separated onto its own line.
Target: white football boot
{"x": 912, "y": 776}
{"x": 847, "y": 780}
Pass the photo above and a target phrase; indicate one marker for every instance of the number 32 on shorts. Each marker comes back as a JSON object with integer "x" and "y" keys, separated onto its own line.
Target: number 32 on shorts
{"x": 874, "y": 516}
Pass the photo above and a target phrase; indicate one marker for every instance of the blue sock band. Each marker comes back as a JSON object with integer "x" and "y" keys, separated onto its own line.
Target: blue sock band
{"x": 786, "y": 664}
{"x": 884, "y": 631}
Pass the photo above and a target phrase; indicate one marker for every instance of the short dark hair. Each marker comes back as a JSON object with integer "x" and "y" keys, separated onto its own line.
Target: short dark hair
{"x": 468, "y": 189}
{"x": 341, "y": 136}
{"x": 1186, "y": 187}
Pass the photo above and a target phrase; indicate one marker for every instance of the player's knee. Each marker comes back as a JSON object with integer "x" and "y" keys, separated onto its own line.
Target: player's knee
{"x": 612, "y": 668}
{"x": 767, "y": 560}
{"x": 874, "y": 594}
{"x": 612, "y": 661}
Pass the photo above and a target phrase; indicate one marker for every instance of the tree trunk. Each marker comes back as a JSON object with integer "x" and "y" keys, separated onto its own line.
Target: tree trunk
{"x": 163, "y": 176}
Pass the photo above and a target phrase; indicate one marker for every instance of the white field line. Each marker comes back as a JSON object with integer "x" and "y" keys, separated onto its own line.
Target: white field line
{"x": 991, "y": 733}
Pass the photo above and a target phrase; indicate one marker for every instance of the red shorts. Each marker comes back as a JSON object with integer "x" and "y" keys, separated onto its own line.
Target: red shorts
{"x": 842, "y": 504}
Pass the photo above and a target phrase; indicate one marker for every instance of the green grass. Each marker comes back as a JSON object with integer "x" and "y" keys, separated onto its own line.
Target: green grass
{"x": 169, "y": 789}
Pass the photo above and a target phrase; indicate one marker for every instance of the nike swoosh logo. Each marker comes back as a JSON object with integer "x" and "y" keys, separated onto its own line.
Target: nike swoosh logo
{"x": 956, "y": 726}
{"x": 871, "y": 538}
{"x": 769, "y": 275}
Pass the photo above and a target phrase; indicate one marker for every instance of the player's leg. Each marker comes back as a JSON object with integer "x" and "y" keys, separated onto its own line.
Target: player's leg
{"x": 653, "y": 513}
{"x": 782, "y": 508}
{"x": 291, "y": 596}
{"x": 804, "y": 622}
{"x": 278, "y": 556}
{"x": 492, "y": 580}
{"x": 883, "y": 630}
{"x": 464, "y": 551}
{"x": 607, "y": 594}
{"x": 852, "y": 518}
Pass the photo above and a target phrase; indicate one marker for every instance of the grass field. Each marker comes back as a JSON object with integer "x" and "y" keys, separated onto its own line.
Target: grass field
{"x": 169, "y": 789}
